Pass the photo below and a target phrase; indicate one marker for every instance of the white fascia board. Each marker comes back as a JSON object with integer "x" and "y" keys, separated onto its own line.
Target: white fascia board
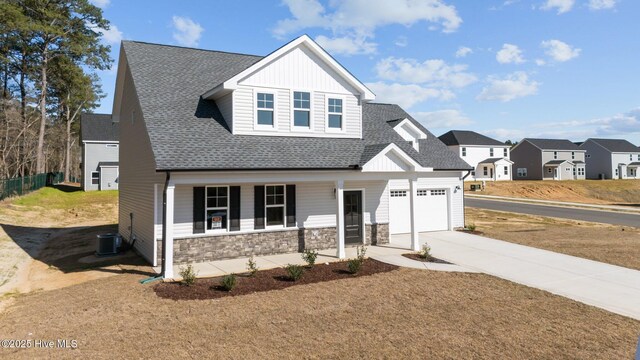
{"x": 412, "y": 126}
{"x": 232, "y": 84}
{"x": 117, "y": 96}
{"x": 100, "y": 142}
{"x": 403, "y": 155}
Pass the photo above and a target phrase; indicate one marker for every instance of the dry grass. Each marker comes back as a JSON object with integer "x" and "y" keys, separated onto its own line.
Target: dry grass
{"x": 600, "y": 242}
{"x": 623, "y": 192}
{"x": 401, "y": 314}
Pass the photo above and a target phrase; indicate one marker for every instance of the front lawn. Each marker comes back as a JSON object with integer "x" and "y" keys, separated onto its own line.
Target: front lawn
{"x": 399, "y": 314}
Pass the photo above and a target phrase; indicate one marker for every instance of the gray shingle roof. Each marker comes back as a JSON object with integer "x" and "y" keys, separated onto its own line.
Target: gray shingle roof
{"x": 616, "y": 145}
{"x": 556, "y": 162}
{"x": 490, "y": 160}
{"x": 466, "y": 137}
{"x": 108, "y": 163}
{"x": 189, "y": 133}
{"x": 98, "y": 127}
{"x": 553, "y": 144}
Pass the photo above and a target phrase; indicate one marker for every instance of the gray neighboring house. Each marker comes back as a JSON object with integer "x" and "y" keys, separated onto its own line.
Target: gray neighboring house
{"x": 548, "y": 159}
{"x": 99, "y": 137}
{"x": 611, "y": 159}
{"x": 236, "y": 155}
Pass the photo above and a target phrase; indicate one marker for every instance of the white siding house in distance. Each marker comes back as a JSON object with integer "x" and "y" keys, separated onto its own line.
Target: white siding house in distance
{"x": 236, "y": 155}
{"x": 489, "y": 158}
{"x": 99, "y": 137}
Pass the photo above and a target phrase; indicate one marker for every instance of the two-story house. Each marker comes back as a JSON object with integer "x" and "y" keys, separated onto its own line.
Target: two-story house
{"x": 548, "y": 159}
{"x": 232, "y": 155}
{"x": 100, "y": 152}
{"x": 611, "y": 159}
{"x": 489, "y": 158}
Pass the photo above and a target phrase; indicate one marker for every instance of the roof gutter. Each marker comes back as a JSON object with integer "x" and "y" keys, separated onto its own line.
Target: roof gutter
{"x": 164, "y": 223}
{"x": 350, "y": 167}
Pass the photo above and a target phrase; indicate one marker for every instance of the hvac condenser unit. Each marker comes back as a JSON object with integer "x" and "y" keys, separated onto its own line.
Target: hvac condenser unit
{"x": 108, "y": 244}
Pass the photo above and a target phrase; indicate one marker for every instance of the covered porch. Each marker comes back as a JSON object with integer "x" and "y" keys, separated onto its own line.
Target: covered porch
{"x": 494, "y": 169}
{"x": 632, "y": 170}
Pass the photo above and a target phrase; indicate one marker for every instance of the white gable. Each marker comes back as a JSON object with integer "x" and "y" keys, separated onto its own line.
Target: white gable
{"x": 392, "y": 159}
{"x": 410, "y": 132}
{"x": 311, "y": 73}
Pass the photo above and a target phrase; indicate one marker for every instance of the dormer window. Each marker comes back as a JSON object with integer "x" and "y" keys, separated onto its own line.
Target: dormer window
{"x": 265, "y": 108}
{"x": 334, "y": 114}
{"x": 302, "y": 109}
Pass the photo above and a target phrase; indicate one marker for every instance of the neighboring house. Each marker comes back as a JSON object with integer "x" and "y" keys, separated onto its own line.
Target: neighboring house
{"x": 99, "y": 138}
{"x": 548, "y": 159}
{"x": 611, "y": 159}
{"x": 488, "y": 157}
{"x": 235, "y": 155}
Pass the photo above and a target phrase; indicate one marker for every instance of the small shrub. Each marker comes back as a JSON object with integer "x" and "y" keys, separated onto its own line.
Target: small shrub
{"x": 294, "y": 272}
{"x": 425, "y": 253}
{"x": 252, "y": 266}
{"x": 354, "y": 265}
{"x": 188, "y": 275}
{"x": 471, "y": 227}
{"x": 228, "y": 282}
{"x": 309, "y": 256}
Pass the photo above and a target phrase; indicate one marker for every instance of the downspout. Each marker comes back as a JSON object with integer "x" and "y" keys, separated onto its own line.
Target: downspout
{"x": 464, "y": 212}
{"x": 164, "y": 222}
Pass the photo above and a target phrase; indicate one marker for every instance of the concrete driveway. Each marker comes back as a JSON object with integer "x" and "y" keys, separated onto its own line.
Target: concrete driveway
{"x": 609, "y": 287}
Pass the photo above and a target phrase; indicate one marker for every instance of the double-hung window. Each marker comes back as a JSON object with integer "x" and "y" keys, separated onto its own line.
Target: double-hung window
{"x": 630, "y": 157}
{"x": 95, "y": 178}
{"x": 555, "y": 155}
{"x": 334, "y": 111}
{"x": 301, "y": 109}
{"x": 573, "y": 155}
{"x": 490, "y": 152}
{"x": 264, "y": 109}
{"x": 274, "y": 205}
{"x": 217, "y": 207}
{"x": 505, "y": 152}
{"x": 484, "y": 171}
{"x": 506, "y": 170}
{"x": 464, "y": 151}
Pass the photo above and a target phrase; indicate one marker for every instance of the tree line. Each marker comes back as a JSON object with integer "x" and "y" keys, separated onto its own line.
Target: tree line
{"x": 49, "y": 52}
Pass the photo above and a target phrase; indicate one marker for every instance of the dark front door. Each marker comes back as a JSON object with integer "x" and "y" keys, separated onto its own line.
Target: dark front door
{"x": 353, "y": 217}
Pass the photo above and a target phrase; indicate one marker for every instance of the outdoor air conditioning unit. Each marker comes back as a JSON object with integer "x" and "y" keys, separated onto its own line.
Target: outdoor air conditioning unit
{"x": 108, "y": 244}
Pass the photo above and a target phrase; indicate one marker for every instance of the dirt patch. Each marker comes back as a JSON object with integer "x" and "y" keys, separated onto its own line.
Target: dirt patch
{"x": 399, "y": 314}
{"x": 266, "y": 280}
{"x": 611, "y": 192}
{"x": 611, "y": 244}
{"x": 429, "y": 258}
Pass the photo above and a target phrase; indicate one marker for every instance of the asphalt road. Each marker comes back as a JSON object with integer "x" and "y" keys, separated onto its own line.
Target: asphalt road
{"x": 607, "y": 217}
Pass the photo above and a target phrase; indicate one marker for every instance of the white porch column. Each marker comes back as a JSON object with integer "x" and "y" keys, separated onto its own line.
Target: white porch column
{"x": 168, "y": 243}
{"x": 413, "y": 199}
{"x": 340, "y": 253}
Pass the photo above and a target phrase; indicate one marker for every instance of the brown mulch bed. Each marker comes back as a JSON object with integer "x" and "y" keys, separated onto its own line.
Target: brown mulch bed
{"x": 432, "y": 259}
{"x": 474, "y": 232}
{"x": 266, "y": 280}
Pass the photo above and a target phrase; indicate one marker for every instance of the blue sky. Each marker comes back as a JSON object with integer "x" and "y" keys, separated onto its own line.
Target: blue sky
{"x": 506, "y": 68}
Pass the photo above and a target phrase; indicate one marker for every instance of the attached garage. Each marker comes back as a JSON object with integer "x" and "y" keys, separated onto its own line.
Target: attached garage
{"x": 432, "y": 207}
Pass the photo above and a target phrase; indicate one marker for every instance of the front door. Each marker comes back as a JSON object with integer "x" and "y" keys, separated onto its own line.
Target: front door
{"x": 353, "y": 217}
{"x": 555, "y": 173}
{"x": 491, "y": 172}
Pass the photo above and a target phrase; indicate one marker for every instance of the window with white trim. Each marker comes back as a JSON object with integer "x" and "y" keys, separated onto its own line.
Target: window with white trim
{"x": 95, "y": 178}
{"x": 580, "y": 171}
{"x": 485, "y": 171}
{"x": 265, "y": 106}
{"x": 630, "y": 157}
{"x": 334, "y": 113}
{"x": 616, "y": 172}
{"x": 505, "y": 152}
{"x": 567, "y": 169}
{"x": 422, "y": 192}
{"x": 506, "y": 170}
{"x": 573, "y": 155}
{"x": 464, "y": 151}
{"x": 398, "y": 193}
{"x": 301, "y": 109}
{"x": 438, "y": 192}
{"x": 574, "y": 171}
{"x": 521, "y": 172}
{"x": 274, "y": 204}
{"x": 490, "y": 152}
{"x": 555, "y": 155}
{"x": 217, "y": 207}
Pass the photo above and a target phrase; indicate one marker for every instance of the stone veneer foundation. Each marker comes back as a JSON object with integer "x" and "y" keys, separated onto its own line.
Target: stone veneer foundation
{"x": 210, "y": 248}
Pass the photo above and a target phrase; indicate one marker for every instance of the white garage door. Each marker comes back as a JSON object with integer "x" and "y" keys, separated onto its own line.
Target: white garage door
{"x": 432, "y": 209}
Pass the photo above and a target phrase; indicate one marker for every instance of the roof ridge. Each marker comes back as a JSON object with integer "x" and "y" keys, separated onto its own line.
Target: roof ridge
{"x": 191, "y": 48}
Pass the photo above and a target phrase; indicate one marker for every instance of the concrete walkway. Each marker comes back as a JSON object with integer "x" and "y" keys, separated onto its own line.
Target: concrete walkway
{"x": 609, "y": 287}
{"x": 390, "y": 254}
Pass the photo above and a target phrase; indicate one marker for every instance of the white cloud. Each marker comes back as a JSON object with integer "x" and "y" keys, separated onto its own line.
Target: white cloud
{"x": 463, "y": 51}
{"x": 433, "y": 72}
{"x": 111, "y": 36}
{"x": 359, "y": 19}
{"x": 562, "y": 6}
{"x": 443, "y": 118}
{"x": 346, "y": 45}
{"x": 559, "y": 51}
{"x": 401, "y": 41}
{"x": 187, "y": 32}
{"x": 509, "y": 54}
{"x": 615, "y": 125}
{"x": 601, "y": 4}
{"x": 511, "y": 87}
{"x": 407, "y": 95}
{"x": 101, "y": 3}
{"x": 540, "y": 62}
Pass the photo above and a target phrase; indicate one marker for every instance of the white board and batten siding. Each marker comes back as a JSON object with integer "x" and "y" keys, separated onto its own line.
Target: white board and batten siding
{"x": 312, "y": 76}
{"x": 315, "y": 206}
